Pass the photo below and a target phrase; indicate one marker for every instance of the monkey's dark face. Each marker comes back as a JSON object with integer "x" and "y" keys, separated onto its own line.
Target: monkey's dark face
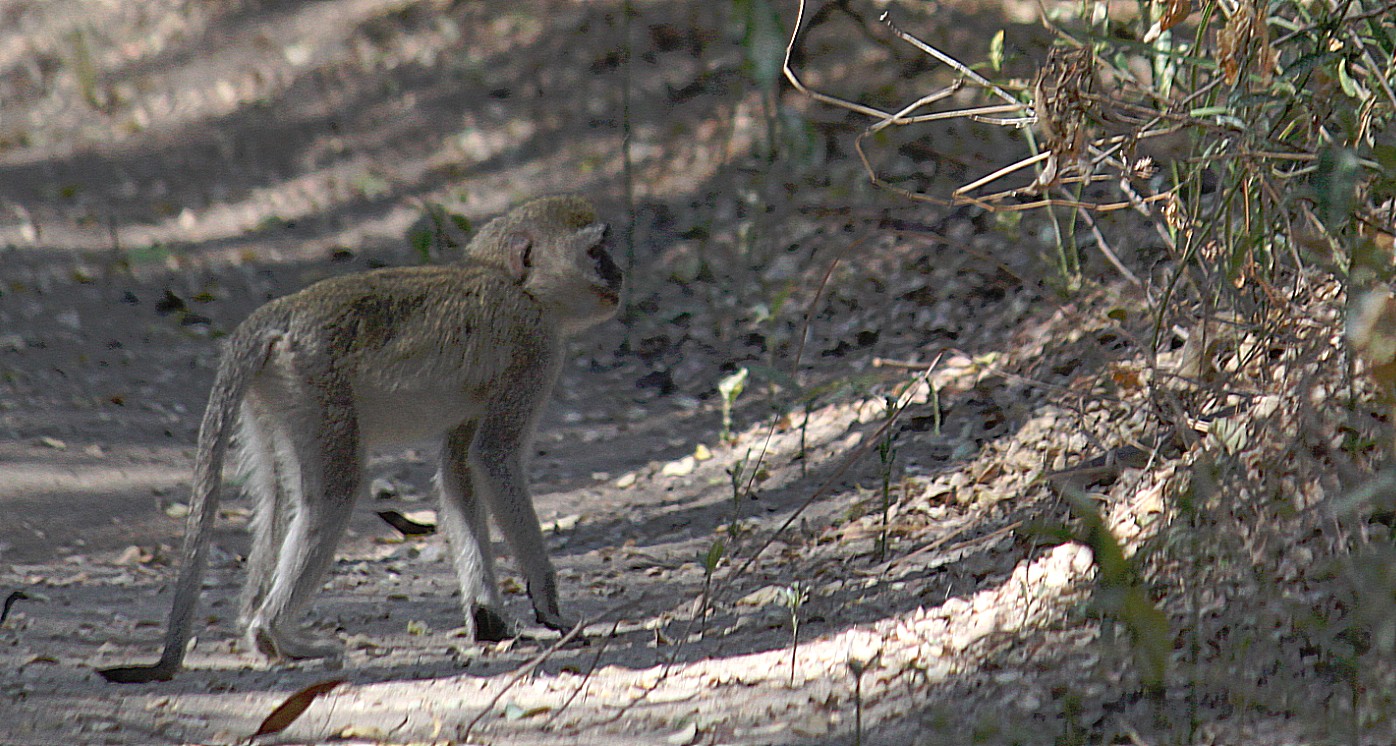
{"x": 575, "y": 276}
{"x": 606, "y": 270}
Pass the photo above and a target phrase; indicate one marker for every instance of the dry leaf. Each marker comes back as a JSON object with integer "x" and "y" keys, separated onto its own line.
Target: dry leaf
{"x": 287, "y": 712}
{"x": 564, "y": 523}
{"x": 683, "y": 736}
{"x": 681, "y": 468}
{"x": 1243, "y": 27}
{"x": 134, "y": 555}
{"x": 1371, "y": 330}
{"x": 1267, "y": 57}
{"x": 761, "y": 597}
{"x": 1059, "y": 97}
{"x": 363, "y": 732}
{"x": 1126, "y": 377}
{"x": 1174, "y": 14}
{"x": 406, "y": 526}
{"x": 10, "y": 601}
{"x": 514, "y": 711}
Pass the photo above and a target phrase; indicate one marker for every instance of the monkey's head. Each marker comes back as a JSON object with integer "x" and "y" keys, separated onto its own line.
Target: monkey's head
{"x": 558, "y": 252}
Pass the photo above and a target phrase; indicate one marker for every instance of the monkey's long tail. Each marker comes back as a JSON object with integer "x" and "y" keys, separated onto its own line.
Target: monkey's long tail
{"x": 244, "y": 356}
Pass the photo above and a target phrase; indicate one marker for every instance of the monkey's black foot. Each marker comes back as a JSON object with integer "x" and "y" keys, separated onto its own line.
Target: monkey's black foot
{"x": 490, "y": 626}
{"x": 137, "y": 674}
{"x": 555, "y": 621}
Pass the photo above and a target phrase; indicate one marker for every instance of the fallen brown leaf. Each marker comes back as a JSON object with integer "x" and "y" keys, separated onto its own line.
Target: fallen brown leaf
{"x": 1172, "y": 14}
{"x": 287, "y": 712}
{"x": 10, "y": 601}
{"x": 405, "y": 525}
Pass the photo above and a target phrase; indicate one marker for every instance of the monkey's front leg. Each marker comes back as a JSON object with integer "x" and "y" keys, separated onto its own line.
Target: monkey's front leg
{"x": 464, "y": 518}
{"x": 497, "y": 463}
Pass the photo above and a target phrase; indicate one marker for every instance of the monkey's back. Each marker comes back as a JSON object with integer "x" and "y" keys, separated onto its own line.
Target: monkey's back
{"x": 421, "y": 347}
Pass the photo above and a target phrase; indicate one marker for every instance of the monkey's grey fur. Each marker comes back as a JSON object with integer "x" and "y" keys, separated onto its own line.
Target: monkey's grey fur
{"x": 465, "y": 353}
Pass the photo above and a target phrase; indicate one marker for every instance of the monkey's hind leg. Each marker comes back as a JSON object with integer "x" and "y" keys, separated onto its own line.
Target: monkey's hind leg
{"x": 322, "y": 461}
{"x": 265, "y": 482}
{"x": 466, "y": 522}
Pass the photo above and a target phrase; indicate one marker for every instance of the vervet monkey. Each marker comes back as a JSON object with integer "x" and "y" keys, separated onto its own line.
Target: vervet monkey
{"x": 465, "y": 353}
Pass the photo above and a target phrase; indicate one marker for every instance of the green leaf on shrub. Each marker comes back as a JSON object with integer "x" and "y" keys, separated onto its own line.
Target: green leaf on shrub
{"x": 1335, "y": 186}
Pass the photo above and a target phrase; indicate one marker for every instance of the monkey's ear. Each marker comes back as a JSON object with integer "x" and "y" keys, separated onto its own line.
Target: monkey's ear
{"x": 519, "y": 249}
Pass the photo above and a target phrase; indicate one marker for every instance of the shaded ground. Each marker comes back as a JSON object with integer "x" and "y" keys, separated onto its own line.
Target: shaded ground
{"x": 167, "y": 166}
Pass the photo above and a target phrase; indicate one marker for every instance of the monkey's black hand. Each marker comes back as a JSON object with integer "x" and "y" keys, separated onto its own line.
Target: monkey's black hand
{"x": 545, "y": 608}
